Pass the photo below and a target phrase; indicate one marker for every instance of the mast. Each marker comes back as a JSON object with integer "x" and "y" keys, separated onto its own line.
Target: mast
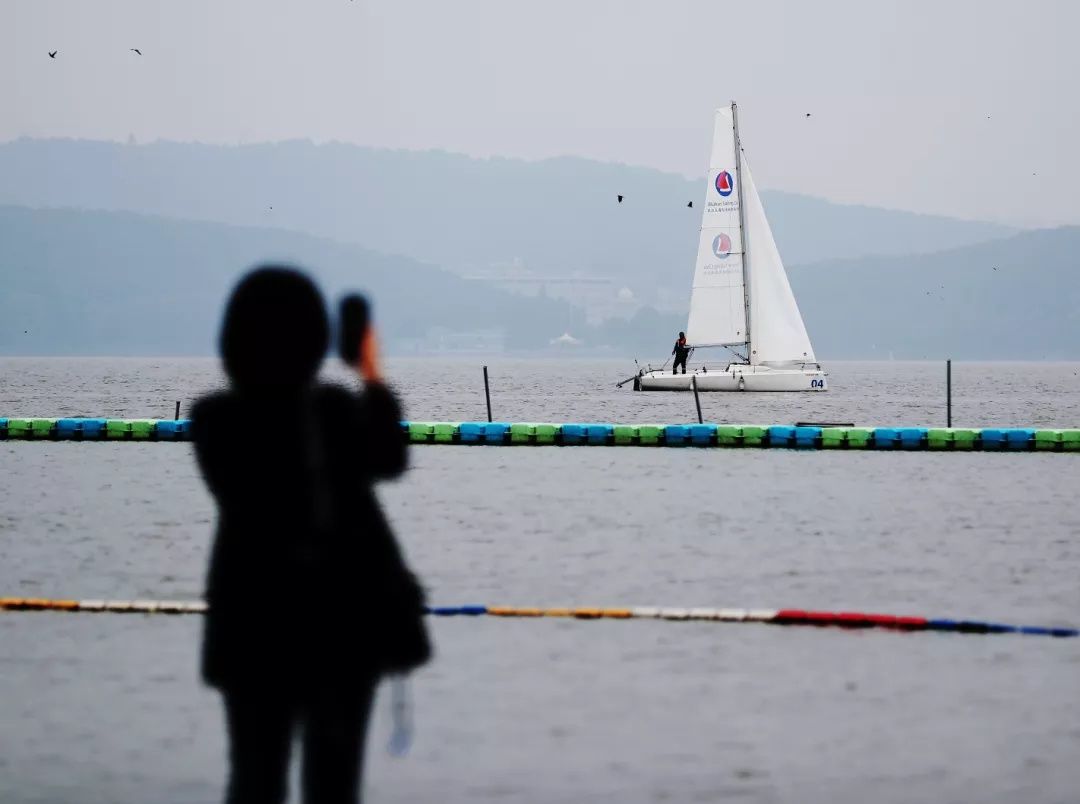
{"x": 742, "y": 228}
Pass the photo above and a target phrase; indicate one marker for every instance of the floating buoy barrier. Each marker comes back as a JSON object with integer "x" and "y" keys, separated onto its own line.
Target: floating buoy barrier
{"x": 603, "y": 434}
{"x": 842, "y": 619}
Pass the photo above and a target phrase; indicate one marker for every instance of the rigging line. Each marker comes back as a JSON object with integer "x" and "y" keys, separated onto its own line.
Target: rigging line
{"x": 741, "y": 357}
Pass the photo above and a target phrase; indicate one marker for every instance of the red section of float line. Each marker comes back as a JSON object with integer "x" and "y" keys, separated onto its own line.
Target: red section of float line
{"x": 908, "y": 623}
{"x": 849, "y": 619}
{"x": 802, "y": 617}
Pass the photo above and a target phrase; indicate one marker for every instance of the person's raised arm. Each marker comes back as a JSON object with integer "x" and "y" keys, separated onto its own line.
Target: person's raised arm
{"x": 379, "y": 413}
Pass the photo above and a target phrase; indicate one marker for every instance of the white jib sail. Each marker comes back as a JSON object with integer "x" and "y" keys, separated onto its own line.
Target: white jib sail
{"x": 717, "y": 302}
{"x": 778, "y": 333}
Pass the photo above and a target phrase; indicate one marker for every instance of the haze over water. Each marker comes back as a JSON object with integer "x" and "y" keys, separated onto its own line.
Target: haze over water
{"x": 110, "y": 709}
{"x": 495, "y": 174}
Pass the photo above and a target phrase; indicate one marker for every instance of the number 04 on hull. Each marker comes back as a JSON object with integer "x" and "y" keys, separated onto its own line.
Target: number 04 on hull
{"x": 741, "y": 301}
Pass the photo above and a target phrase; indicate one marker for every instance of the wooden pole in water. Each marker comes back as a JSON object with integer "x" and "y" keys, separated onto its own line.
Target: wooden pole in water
{"x": 948, "y": 393}
{"x": 697, "y": 399}
{"x": 176, "y": 415}
{"x": 487, "y": 393}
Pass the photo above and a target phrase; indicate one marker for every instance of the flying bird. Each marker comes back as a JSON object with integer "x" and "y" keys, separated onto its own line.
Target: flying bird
{"x": 690, "y": 205}
{"x": 52, "y": 54}
{"x": 135, "y": 50}
{"x": 620, "y": 199}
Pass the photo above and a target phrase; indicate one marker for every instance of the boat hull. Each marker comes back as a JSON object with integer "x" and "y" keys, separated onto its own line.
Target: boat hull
{"x": 736, "y": 378}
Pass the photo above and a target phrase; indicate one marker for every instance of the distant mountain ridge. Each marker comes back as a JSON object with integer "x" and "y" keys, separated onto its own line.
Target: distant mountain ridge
{"x": 118, "y": 283}
{"x": 554, "y": 218}
{"x": 1017, "y": 299}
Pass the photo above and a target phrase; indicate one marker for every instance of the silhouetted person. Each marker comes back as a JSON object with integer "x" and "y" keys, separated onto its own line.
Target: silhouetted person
{"x": 681, "y": 352}
{"x": 304, "y": 571}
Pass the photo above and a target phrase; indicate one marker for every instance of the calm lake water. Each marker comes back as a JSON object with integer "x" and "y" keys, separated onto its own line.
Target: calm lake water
{"x": 99, "y": 708}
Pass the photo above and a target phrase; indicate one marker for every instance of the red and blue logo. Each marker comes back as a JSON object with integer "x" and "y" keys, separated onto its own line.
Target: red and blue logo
{"x": 721, "y": 245}
{"x": 724, "y": 183}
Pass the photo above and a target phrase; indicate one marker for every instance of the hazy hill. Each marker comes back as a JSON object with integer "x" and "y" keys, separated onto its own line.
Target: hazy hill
{"x": 552, "y": 218}
{"x": 79, "y": 282}
{"x": 1017, "y": 298}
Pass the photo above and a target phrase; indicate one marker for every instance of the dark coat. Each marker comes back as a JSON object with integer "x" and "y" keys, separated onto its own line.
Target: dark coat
{"x": 303, "y": 558}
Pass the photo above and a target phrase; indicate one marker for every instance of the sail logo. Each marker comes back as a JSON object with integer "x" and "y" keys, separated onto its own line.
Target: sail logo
{"x": 724, "y": 183}
{"x": 721, "y": 246}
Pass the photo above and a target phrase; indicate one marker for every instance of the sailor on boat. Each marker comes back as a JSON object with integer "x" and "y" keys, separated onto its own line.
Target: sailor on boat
{"x": 681, "y": 352}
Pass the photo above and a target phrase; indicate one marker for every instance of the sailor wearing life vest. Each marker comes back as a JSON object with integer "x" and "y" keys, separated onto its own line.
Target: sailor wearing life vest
{"x": 681, "y": 352}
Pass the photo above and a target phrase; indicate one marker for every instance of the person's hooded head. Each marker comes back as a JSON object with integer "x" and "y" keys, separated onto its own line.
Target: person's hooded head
{"x": 275, "y": 332}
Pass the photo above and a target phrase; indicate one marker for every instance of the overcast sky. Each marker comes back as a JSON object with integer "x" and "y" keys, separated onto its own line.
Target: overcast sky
{"x": 967, "y": 108}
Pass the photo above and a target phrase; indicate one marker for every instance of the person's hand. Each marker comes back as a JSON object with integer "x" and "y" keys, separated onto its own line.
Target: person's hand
{"x": 368, "y": 361}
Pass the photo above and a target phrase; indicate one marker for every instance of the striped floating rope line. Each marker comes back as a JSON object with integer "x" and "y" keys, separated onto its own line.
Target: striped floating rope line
{"x": 796, "y": 436}
{"x": 843, "y": 619}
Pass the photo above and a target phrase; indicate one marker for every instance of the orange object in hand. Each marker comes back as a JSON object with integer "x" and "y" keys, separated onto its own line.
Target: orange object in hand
{"x": 357, "y": 343}
{"x": 368, "y": 365}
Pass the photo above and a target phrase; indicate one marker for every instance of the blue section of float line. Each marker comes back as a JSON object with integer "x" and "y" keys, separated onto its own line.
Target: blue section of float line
{"x": 976, "y": 627}
{"x": 453, "y": 611}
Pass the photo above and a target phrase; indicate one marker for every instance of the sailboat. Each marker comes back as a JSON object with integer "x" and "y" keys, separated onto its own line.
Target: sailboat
{"x": 741, "y": 299}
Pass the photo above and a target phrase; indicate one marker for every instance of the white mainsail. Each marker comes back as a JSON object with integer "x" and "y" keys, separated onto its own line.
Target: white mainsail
{"x": 718, "y": 300}
{"x": 738, "y": 262}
